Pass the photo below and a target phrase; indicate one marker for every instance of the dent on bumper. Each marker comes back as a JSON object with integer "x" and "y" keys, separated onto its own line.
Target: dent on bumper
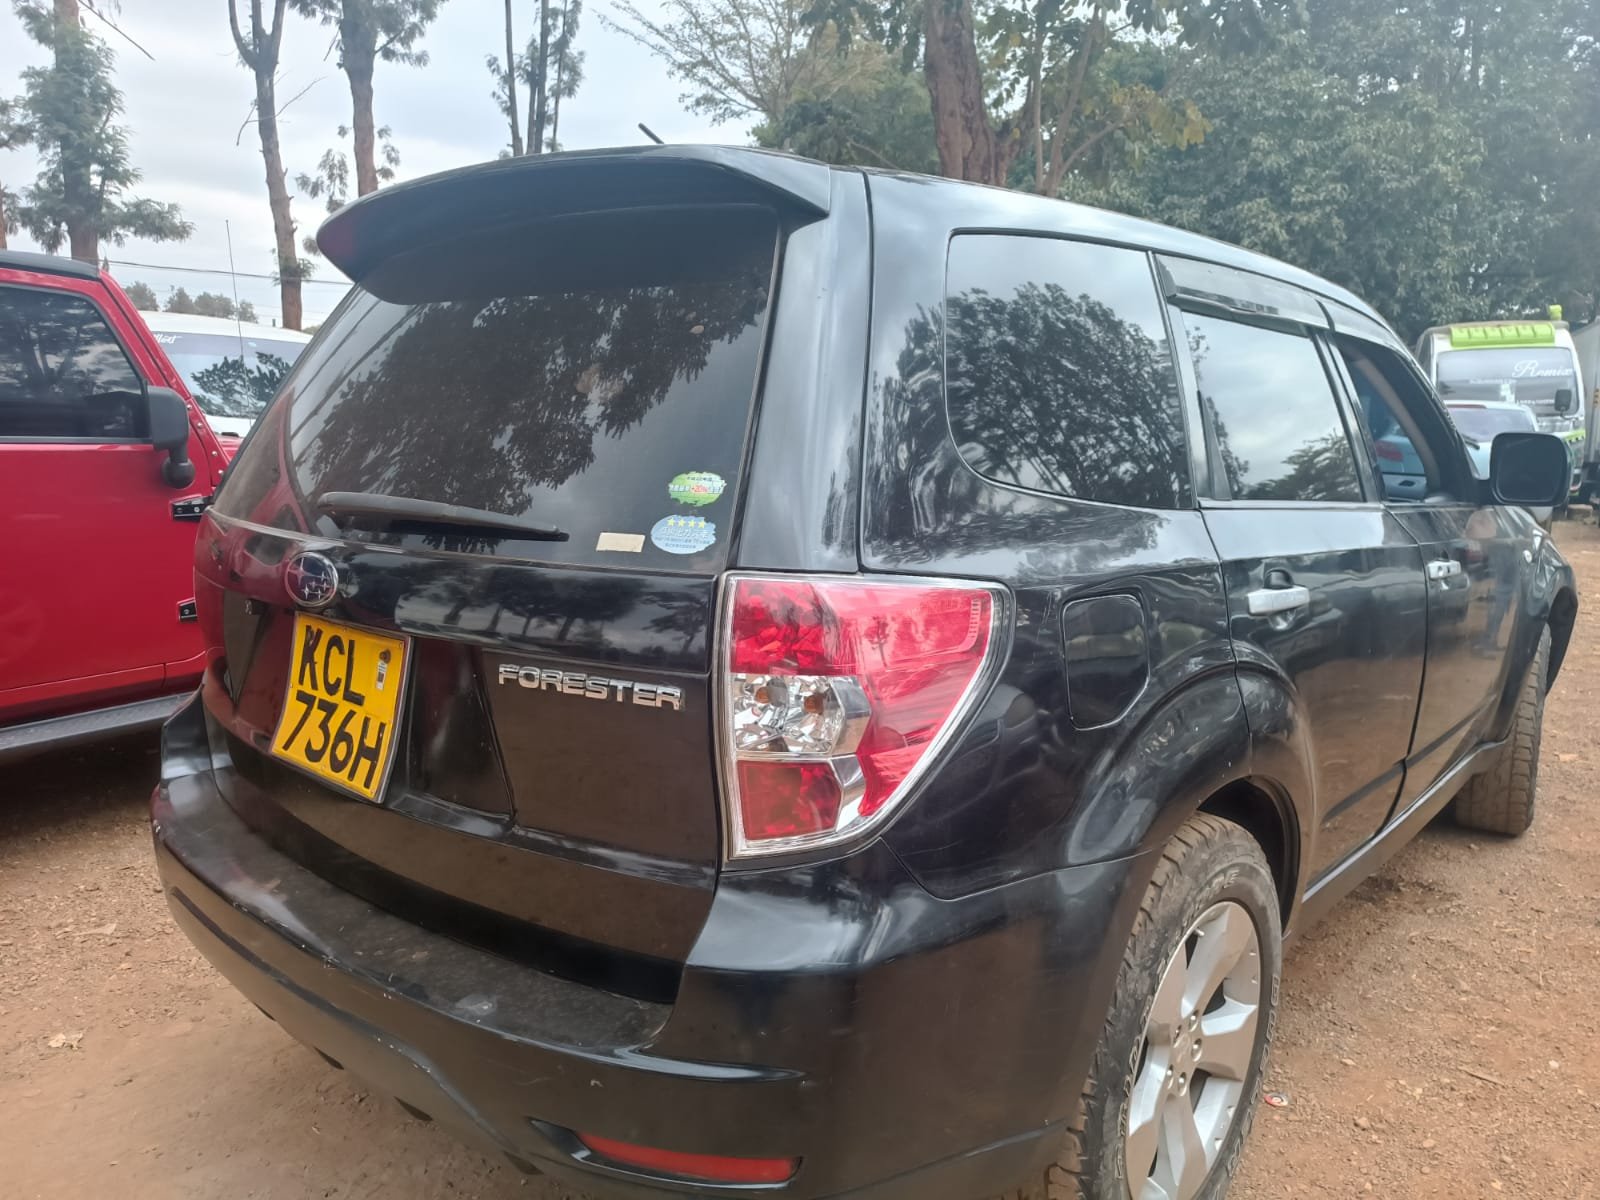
{"x": 899, "y": 1045}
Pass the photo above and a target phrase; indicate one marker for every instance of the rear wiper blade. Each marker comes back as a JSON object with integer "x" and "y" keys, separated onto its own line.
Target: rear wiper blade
{"x": 404, "y": 510}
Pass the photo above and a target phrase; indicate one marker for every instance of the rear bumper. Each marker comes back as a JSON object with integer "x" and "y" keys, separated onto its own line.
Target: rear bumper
{"x": 899, "y": 1046}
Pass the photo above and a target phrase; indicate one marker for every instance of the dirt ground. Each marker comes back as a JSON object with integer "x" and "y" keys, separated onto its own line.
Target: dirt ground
{"x": 1440, "y": 1034}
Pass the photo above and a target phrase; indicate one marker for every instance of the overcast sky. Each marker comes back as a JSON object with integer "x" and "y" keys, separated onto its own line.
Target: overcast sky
{"x": 184, "y": 111}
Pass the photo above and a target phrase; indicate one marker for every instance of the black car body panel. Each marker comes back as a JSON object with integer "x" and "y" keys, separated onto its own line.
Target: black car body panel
{"x": 755, "y": 1057}
{"x": 563, "y": 939}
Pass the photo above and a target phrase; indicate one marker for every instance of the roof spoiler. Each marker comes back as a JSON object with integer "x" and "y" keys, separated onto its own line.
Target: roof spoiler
{"x": 361, "y": 235}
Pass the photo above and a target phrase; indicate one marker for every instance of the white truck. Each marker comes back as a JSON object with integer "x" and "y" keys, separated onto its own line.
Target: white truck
{"x": 1586, "y": 342}
{"x": 1531, "y": 363}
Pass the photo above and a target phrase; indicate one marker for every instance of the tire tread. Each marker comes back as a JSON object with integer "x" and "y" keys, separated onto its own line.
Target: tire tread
{"x": 1501, "y": 799}
{"x": 1068, "y": 1177}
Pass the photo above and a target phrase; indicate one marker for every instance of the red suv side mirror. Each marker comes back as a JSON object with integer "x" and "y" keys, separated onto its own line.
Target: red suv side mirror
{"x": 169, "y": 431}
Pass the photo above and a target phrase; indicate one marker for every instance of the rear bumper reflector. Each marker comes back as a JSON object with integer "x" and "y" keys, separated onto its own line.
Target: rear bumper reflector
{"x": 710, "y": 1168}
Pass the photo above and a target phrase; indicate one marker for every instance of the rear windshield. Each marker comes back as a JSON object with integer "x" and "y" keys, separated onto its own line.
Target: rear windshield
{"x": 595, "y": 375}
{"x": 230, "y": 376}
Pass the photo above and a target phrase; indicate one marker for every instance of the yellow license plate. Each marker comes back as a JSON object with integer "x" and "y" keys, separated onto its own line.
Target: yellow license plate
{"x": 342, "y": 703}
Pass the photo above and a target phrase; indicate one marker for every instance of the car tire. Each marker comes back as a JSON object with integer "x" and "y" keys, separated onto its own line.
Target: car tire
{"x": 1211, "y": 880}
{"x": 1501, "y": 799}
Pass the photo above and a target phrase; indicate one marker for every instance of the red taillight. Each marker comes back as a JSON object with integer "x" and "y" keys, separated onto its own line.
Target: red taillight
{"x": 789, "y": 799}
{"x": 1388, "y": 451}
{"x": 712, "y": 1168}
{"x": 836, "y": 692}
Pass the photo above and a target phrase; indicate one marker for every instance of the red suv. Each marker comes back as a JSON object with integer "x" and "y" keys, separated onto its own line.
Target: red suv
{"x": 106, "y": 465}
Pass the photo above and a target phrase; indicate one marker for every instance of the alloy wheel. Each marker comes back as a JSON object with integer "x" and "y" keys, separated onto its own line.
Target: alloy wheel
{"x": 1199, "y": 1040}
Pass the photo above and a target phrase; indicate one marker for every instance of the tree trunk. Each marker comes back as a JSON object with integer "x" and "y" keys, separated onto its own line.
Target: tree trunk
{"x": 555, "y": 102}
{"x": 361, "y": 129}
{"x": 278, "y": 201}
{"x": 358, "y": 51}
{"x": 1036, "y": 102}
{"x": 511, "y": 86}
{"x": 260, "y": 54}
{"x": 82, "y": 205}
{"x": 2, "y": 217}
{"x": 533, "y": 98}
{"x": 536, "y": 134}
{"x": 968, "y": 148}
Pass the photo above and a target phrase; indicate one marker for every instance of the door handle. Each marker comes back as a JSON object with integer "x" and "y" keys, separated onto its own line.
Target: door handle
{"x": 1264, "y": 602}
{"x": 1443, "y": 568}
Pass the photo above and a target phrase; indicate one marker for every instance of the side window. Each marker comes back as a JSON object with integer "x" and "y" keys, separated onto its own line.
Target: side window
{"x": 1391, "y": 399}
{"x": 63, "y": 374}
{"x": 1058, "y": 372}
{"x": 1274, "y": 425}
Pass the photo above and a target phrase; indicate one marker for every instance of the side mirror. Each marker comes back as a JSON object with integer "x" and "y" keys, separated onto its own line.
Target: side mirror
{"x": 1529, "y": 469}
{"x": 1566, "y": 401}
{"x": 169, "y": 431}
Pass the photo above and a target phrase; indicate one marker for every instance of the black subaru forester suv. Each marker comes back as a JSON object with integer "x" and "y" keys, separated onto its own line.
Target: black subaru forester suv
{"x": 730, "y": 676}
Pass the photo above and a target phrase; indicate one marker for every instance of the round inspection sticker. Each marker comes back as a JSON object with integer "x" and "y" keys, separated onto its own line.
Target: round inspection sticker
{"x": 696, "y": 487}
{"x": 683, "y": 535}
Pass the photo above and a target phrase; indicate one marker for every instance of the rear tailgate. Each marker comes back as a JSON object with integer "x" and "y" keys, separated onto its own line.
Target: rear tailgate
{"x": 543, "y": 783}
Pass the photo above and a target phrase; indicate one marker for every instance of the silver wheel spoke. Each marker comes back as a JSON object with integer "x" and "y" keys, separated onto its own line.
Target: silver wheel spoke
{"x": 1199, "y": 1039}
{"x": 1144, "y": 1119}
{"x": 1224, "y": 938}
{"x": 1166, "y": 1010}
{"x": 1181, "y": 1165}
{"x": 1228, "y": 1039}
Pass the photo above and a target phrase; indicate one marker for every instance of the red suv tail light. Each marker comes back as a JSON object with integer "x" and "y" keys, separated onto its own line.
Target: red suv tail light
{"x": 837, "y": 693}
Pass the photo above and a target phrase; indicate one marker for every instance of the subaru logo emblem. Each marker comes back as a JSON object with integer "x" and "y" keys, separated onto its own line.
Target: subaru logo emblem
{"x": 311, "y": 579}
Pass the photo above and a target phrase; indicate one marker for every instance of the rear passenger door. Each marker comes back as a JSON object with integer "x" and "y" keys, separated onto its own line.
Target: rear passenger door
{"x": 1325, "y": 587}
{"x": 1472, "y": 552}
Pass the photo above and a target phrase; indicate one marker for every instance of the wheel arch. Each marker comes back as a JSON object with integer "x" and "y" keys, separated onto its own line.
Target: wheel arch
{"x": 1263, "y": 782}
{"x": 1563, "y": 615}
{"x": 1259, "y": 807}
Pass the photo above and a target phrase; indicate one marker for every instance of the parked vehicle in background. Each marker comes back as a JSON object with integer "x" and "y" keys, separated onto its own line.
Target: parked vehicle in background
{"x": 105, "y": 468}
{"x": 1481, "y": 421}
{"x": 1532, "y": 363}
{"x": 231, "y": 368}
{"x": 730, "y": 676}
{"x": 1586, "y": 341}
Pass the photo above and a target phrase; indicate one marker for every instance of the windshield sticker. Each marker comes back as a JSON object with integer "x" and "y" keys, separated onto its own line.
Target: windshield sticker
{"x": 626, "y": 543}
{"x": 683, "y": 535}
{"x": 696, "y": 488}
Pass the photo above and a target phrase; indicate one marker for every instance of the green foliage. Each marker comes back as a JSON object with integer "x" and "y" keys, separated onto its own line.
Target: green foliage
{"x": 1035, "y": 79}
{"x": 561, "y": 73}
{"x": 390, "y": 27}
{"x": 15, "y": 131}
{"x": 69, "y": 109}
{"x": 564, "y": 69}
{"x": 215, "y": 304}
{"x": 330, "y": 181}
{"x": 206, "y": 304}
{"x": 15, "y": 128}
{"x": 143, "y": 296}
{"x": 880, "y": 117}
{"x": 1441, "y": 160}
{"x": 739, "y": 61}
